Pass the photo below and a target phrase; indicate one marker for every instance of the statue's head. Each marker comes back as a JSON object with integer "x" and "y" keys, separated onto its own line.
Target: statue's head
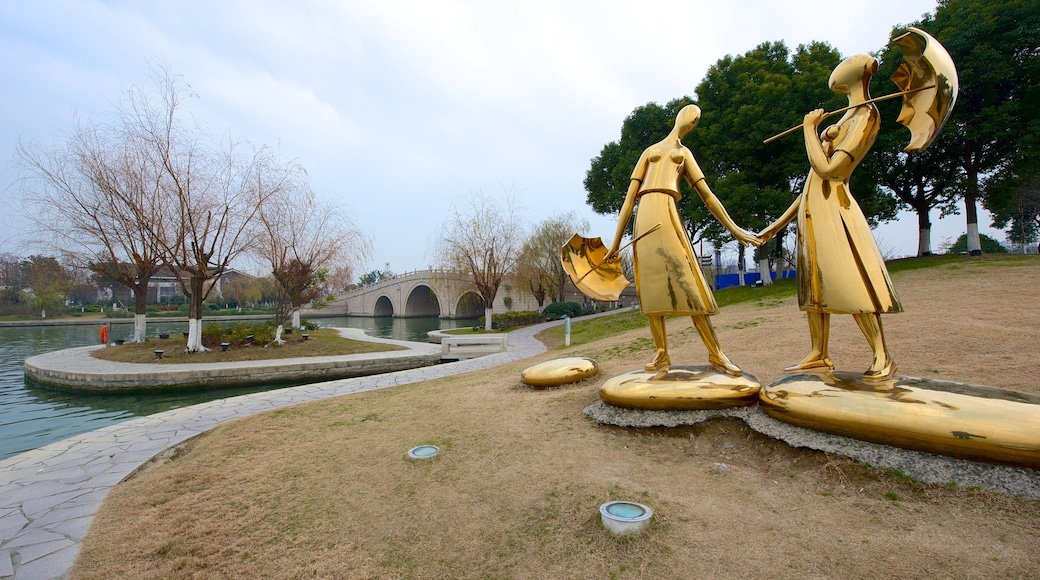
{"x": 687, "y": 119}
{"x": 855, "y": 70}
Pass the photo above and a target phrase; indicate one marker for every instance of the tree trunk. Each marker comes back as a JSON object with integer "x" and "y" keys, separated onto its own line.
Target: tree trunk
{"x": 972, "y": 215}
{"x": 296, "y": 318}
{"x": 278, "y": 335}
{"x": 487, "y": 319}
{"x": 140, "y": 327}
{"x": 778, "y": 256}
{"x": 763, "y": 270}
{"x": 140, "y": 311}
{"x": 924, "y": 229}
{"x": 195, "y": 317}
{"x": 740, "y": 263}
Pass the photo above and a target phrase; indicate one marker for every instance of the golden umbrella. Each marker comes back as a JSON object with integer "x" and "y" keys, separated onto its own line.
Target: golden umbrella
{"x": 927, "y": 81}
{"x": 584, "y": 260}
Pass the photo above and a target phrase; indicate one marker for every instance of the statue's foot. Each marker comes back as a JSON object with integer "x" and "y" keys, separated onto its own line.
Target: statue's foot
{"x": 660, "y": 363}
{"x": 725, "y": 365}
{"x": 813, "y": 362}
{"x": 881, "y": 371}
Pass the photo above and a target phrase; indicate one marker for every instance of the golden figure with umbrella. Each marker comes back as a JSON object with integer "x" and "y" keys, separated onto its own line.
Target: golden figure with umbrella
{"x": 840, "y": 269}
{"x": 669, "y": 281}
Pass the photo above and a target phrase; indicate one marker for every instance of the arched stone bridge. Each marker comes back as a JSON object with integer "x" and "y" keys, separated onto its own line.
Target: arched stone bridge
{"x": 429, "y": 293}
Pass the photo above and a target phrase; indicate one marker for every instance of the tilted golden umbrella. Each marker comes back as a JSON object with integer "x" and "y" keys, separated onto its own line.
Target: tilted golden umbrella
{"x": 927, "y": 81}
{"x": 584, "y": 260}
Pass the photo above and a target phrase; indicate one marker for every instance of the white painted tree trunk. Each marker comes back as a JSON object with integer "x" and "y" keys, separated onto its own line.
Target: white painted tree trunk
{"x": 296, "y": 318}
{"x": 195, "y": 336}
{"x": 974, "y": 242}
{"x": 278, "y": 335}
{"x": 924, "y": 241}
{"x": 763, "y": 269}
{"x": 140, "y": 327}
{"x": 487, "y": 319}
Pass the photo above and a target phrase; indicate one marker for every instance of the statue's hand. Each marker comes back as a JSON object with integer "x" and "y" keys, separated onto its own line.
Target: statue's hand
{"x": 813, "y": 118}
{"x": 765, "y": 235}
{"x": 749, "y": 239}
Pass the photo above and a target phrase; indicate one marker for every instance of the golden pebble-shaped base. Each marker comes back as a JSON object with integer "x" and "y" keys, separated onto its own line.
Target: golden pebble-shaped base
{"x": 681, "y": 388}
{"x": 560, "y": 371}
{"x": 956, "y": 419}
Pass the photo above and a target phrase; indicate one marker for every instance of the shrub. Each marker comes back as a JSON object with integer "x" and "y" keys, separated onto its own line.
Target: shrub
{"x": 989, "y": 245}
{"x": 558, "y": 310}
{"x": 518, "y": 318}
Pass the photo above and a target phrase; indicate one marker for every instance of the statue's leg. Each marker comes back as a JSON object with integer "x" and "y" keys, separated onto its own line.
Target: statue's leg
{"x": 660, "y": 362}
{"x": 715, "y": 355}
{"x": 883, "y": 367}
{"x": 819, "y": 331}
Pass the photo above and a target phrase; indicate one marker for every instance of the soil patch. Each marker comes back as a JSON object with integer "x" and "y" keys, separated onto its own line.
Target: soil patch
{"x": 325, "y": 489}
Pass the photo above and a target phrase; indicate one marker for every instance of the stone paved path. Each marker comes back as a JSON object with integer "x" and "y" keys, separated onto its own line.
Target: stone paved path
{"x": 48, "y": 496}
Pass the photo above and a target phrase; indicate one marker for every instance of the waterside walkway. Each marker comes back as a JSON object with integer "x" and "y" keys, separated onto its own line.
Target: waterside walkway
{"x": 48, "y": 496}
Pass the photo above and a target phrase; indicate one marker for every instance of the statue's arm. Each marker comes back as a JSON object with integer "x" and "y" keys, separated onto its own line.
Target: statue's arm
{"x": 696, "y": 178}
{"x": 823, "y": 164}
{"x": 629, "y": 205}
{"x": 775, "y": 227}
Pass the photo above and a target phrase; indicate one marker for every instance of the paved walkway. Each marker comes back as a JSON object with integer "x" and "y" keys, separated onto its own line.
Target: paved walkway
{"x": 48, "y": 496}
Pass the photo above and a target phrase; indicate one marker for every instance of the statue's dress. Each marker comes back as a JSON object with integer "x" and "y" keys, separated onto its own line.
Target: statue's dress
{"x": 668, "y": 278}
{"x": 840, "y": 269}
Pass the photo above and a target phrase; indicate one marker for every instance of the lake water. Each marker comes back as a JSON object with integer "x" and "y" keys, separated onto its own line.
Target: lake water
{"x": 32, "y": 416}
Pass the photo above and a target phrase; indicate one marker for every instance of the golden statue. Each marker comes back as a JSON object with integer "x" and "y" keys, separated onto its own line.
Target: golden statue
{"x": 669, "y": 281}
{"x": 840, "y": 269}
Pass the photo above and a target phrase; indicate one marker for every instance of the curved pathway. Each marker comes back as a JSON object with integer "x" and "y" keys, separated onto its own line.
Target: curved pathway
{"x": 48, "y": 496}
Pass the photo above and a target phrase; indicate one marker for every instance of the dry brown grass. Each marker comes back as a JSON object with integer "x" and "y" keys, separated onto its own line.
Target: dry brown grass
{"x": 324, "y": 489}
{"x": 320, "y": 342}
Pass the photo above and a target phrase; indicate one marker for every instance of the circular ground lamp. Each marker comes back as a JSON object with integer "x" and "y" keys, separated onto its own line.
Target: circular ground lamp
{"x": 423, "y": 451}
{"x": 625, "y": 518}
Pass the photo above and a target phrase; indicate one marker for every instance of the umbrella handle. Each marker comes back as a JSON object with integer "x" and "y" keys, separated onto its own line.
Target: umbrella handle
{"x": 634, "y": 240}
{"x": 843, "y": 109}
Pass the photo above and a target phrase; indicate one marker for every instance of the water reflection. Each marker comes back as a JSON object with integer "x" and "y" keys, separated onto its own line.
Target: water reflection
{"x": 32, "y": 416}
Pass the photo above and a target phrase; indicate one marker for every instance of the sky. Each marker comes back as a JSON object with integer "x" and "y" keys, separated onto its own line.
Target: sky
{"x": 400, "y": 109}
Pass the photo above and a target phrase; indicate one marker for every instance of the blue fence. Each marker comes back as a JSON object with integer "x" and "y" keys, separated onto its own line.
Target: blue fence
{"x": 727, "y": 280}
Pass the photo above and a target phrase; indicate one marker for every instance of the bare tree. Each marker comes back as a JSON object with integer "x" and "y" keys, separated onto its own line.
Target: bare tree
{"x": 482, "y": 240}
{"x": 98, "y": 196}
{"x": 539, "y": 266}
{"x": 217, "y": 197}
{"x": 307, "y": 243}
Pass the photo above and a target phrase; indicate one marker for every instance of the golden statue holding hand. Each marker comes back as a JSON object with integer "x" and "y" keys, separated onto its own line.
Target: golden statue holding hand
{"x": 669, "y": 281}
{"x": 840, "y": 269}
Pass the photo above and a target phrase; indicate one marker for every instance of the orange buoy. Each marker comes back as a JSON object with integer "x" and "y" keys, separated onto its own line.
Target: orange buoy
{"x": 104, "y": 334}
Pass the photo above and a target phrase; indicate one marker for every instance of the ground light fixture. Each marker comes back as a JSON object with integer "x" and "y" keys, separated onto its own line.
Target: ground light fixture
{"x": 423, "y": 451}
{"x": 624, "y": 518}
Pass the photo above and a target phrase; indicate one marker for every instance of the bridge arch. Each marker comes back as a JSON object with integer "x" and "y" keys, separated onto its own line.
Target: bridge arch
{"x": 384, "y": 307}
{"x": 470, "y": 305}
{"x": 422, "y": 302}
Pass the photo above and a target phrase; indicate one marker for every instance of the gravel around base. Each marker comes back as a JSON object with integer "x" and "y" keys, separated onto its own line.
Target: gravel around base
{"x": 923, "y": 467}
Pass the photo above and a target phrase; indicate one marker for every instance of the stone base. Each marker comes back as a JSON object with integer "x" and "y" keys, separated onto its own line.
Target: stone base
{"x": 967, "y": 421}
{"x": 681, "y": 388}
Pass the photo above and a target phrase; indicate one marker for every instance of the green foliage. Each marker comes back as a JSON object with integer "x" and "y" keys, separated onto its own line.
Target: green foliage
{"x": 989, "y": 245}
{"x": 369, "y": 278}
{"x": 558, "y": 310}
{"x": 606, "y": 181}
{"x": 995, "y": 126}
{"x": 518, "y": 318}
{"x": 213, "y": 334}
